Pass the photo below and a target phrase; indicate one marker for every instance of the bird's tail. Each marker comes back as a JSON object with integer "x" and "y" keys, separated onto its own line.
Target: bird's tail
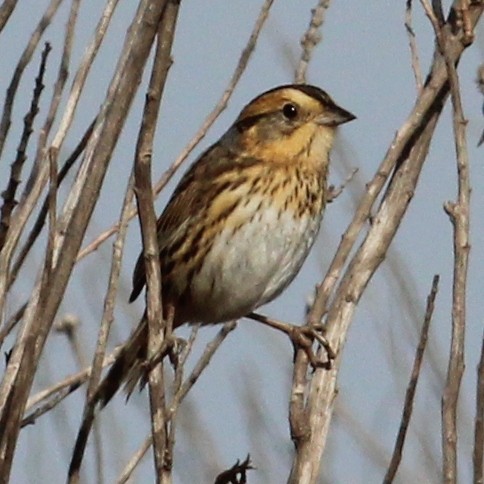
{"x": 127, "y": 368}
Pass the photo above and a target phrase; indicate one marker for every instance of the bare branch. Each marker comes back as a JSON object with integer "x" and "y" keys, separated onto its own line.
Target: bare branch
{"x": 459, "y": 214}
{"x": 181, "y": 391}
{"x": 412, "y": 386}
{"x": 60, "y": 390}
{"x": 202, "y": 363}
{"x": 69, "y": 325}
{"x": 39, "y": 223}
{"x": 22, "y": 64}
{"x": 158, "y": 329}
{"x": 478, "y": 454}
{"x": 81, "y": 74}
{"x": 8, "y": 195}
{"x": 310, "y": 417}
{"x": 56, "y": 97}
{"x": 134, "y": 461}
{"x": 72, "y": 225}
{"x": 335, "y": 192}
{"x": 6, "y": 10}
{"x": 207, "y": 123}
{"x": 480, "y": 86}
{"x": 417, "y": 72}
{"x": 310, "y": 39}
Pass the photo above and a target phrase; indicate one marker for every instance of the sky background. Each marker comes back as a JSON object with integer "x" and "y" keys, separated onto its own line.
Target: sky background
{"x": 364, "y": 63}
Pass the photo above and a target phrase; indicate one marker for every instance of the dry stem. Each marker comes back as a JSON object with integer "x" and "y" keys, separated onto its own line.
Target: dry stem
{"x": 412, "y": 386}
{"x": 310, "y": 417}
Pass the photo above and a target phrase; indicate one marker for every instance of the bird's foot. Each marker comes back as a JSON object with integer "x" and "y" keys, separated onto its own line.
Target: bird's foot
{"x": 303, "y": 337}
{"x": 171, "y": 347}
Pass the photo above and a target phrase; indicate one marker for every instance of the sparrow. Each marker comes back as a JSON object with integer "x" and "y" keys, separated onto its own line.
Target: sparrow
{"x": 243, "y": 218}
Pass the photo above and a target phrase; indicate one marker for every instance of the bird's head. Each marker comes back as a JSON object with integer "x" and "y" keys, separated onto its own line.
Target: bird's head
{"x": 290, "y": 123}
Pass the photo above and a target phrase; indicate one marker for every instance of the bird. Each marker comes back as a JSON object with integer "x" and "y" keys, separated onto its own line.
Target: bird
{"x": 242, "y": 219}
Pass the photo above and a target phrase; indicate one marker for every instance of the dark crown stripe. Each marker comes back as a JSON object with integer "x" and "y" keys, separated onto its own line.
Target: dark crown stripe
{"x": 308, "y": 89}
{"x": 246, "y": 123}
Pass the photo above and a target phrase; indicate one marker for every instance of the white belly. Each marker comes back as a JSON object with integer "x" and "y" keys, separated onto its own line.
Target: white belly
{"x": 252, "y": 265}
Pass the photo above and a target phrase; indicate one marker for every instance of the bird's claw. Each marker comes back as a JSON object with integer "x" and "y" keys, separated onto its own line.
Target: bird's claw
{"x": 303, "y": 337}
{"x": 175, "y": 350}
{"x": 171, "y": 347}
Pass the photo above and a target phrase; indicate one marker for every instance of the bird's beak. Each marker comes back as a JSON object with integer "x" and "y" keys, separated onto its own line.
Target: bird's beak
{"x": 334, "y": 116}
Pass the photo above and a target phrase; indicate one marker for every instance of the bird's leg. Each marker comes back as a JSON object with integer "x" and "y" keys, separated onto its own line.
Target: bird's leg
{"x": 166, "y": 348}
{"x": 171, "y": 346}
{"x": 302, "y": 337}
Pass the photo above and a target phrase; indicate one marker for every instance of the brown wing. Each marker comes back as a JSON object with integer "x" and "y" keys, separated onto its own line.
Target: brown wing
{"x": 188, "y": 204}
{"x": 169, "y": 225}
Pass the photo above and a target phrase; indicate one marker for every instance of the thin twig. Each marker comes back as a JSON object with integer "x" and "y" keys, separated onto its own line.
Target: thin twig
{"x": 40, "y": 221}
{"x": 62, "y": 389}
{"x": 69, "y": 326}
{"x": 158, "y": 329}
{"x": 459, "y": 214}
{"x": 59, "y": 85}
{"x": 412, "y": 386}
{"x": 134, "y": 461}
{"x": 431, "y": 15}
{"x": 310, "y": 39}
{"x": 202, "y": 363}
{"x": 480, "y": 87}
{"x": 24, "y": 60}
{"x": 478, "y": 453}
{"x": 311, "y": 408}
{"x": 335, "y": 192}
{"x": 417, "y": 72}
{"x": 51, "y": 403}
{"x": 181, "y": 393}
{"x": 107, "y": 319}
{"x": 6, "y": 10}
{"x": 179, "y": 366}
{"x": 81, "y": 74}
{"x": 202, "y": 131}
{"x": 9, "y": 194}
{"x": 182, "y": 359}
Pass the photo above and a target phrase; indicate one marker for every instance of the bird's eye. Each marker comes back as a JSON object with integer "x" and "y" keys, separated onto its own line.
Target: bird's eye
{"x": 290, "y": 111}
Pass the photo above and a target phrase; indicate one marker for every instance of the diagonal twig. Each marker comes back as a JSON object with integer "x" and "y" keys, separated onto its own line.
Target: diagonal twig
{"x": 9, "y": 194}
{"x": 412, "y": 386}
{"x": 310, "y": 39}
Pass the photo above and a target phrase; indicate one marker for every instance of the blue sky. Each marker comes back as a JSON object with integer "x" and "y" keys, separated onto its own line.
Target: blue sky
{"x": 364, "y": 63}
